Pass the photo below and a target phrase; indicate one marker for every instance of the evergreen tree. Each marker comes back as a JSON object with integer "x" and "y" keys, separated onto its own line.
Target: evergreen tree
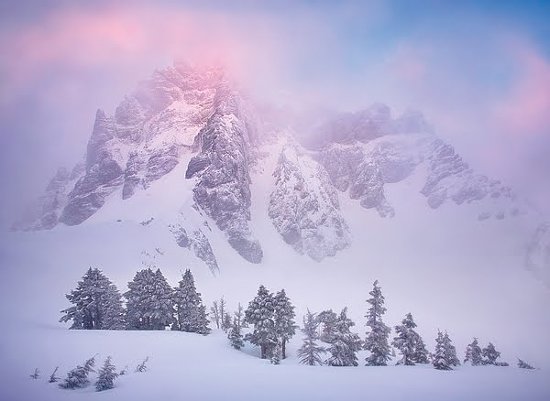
{"x": 53, "y": 378}
{"x": 35, "y": 375}
{"x": 96, "y": 304}
{"x": 524, "y": 365}
{"x": 407, "y": 341}
{"x": 344, "y": 344}
{"x": 226, "y": 322}
{"x": 450, "y": 351}
{"x": 490, "y": 355}
{"x": 327, "y": 320}
{"x": 235, "y": 335}
{"x": 215, "y": 313}
{"x": 377, "y": 338}
{"x": 78, "y": 377}
{"x": 222, "y": 311}
{"x": 421, "y": 354}
{"x": 473, "y": 353}
{"x": 310, "y": 353}
{"x": 260, "y": 314}
{"x": 203, "y": 322}
{"x": 190, "y": 312}
{"x": 285, "y": 326}
{"x": 150, "y": 301}
{"x": 107, "y": 376}
{"x": 440, "y": 357}
{"x": 239, "y": 315}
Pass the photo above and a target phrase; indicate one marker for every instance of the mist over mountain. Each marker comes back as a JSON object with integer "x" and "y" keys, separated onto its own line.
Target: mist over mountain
{"x": 197, "y": 118}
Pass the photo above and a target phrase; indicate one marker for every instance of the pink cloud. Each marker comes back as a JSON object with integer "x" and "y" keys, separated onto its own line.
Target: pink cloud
{"x": 525, "y": 108}
{"x": 117, "y": 38}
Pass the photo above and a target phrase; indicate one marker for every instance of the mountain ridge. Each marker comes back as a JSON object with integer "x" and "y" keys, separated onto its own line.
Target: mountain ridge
{"x": 199, "y": 118}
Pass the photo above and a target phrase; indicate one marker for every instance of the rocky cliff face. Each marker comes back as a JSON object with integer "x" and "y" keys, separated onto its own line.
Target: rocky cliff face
{"x": 304, "y": 206}
{"x": 362, "y": 160}
{"x": 139, "y": 144}
{"x": 221, "y": 168}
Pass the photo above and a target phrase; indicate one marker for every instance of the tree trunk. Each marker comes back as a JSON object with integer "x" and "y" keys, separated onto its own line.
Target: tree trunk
{"x": 262, "y": 348}
{"x": 283, "y": 348}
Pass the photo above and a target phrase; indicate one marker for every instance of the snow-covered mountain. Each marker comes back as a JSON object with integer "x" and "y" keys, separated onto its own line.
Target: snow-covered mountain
{"x": 198, "y": 119}
{"x": 189, "y": 173}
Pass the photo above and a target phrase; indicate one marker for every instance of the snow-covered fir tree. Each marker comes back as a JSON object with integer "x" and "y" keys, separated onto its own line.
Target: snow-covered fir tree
{"x": 473, "y": 353}
{"x": 215, "y": 314}
{"x": 524, "y": 365}
{"x": 97, "y": 304}
{"x": 345, "y": 344}
{"x": 327, "y": 320}
{"x": 78, "y": 377}
{"x": 490, "y": 355}
{"x": 106, "y": 376}
{"x": 226, "y": 322}
{"x": 150, "y": 303}
{"x": 260, "y": 315}
{"x": 450, "y": 351}
{"x": 235, "y": 334}
{"x": 409, "y": 342}
{"x": 283, "y": 317}
{"x": 190, "y": 313}
{"x": 376, "y": 341}
{"x": 440, "y": 356}
{"x": 421, "y": 354}
{"x": 310, "y": 352}
{"x": 203, "y": 322}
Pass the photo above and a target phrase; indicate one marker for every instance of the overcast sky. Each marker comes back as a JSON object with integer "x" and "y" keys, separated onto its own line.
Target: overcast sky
{"x": 479, "y": 70}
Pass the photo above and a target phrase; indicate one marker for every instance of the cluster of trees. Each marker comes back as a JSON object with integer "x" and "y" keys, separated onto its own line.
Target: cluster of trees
{"x": 151, "y": 304}
{"x": 342, "y": 345}
{"x": 272, "y": 319}
{"x": 79, "y": 376}
{"x": 486, "y": 356}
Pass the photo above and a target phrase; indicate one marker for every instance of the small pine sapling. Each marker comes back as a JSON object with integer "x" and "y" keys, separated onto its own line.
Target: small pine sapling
{"x": 107, "y": 376}
{"x": 142, "y": 367}
{"x": 524, "y": 365}
{"x": 78, "y": 377}
{"x": 235, "y": 336}
{"x": 53, "y": 377}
